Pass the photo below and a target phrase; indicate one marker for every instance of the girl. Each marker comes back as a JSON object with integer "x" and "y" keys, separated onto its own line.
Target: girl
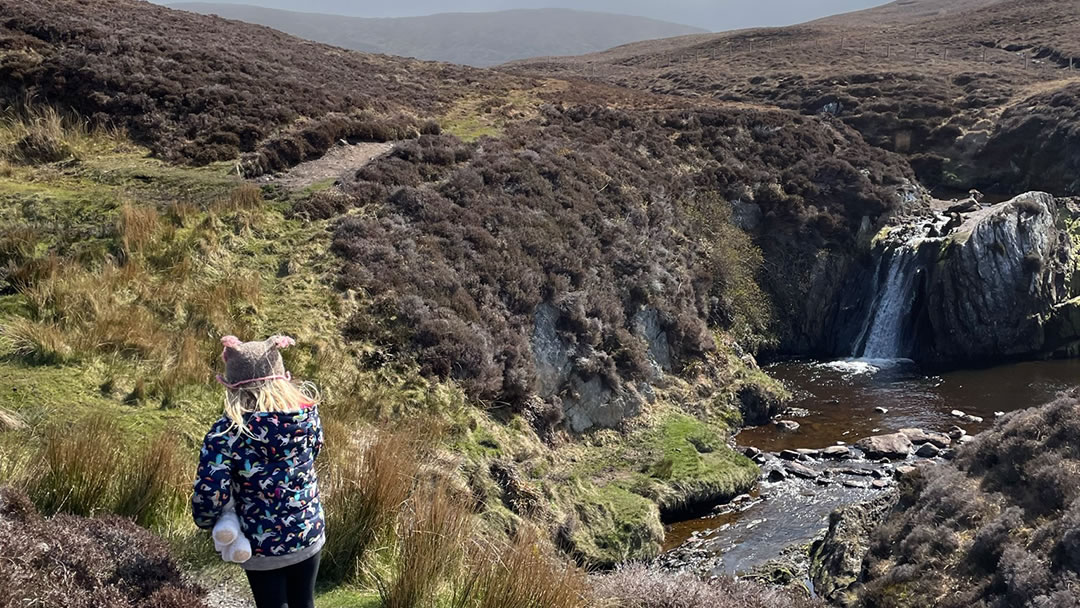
{"x": 261, "y": 454}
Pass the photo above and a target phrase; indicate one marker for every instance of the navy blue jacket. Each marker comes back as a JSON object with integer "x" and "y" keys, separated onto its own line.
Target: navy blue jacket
{"x": 271, "y": 475}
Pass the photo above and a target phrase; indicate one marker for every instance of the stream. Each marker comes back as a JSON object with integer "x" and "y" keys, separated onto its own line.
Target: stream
{"x": 836, "y": 402}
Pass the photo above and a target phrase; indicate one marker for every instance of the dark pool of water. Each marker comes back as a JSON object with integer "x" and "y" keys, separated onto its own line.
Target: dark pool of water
{"x": 841, "y": 397}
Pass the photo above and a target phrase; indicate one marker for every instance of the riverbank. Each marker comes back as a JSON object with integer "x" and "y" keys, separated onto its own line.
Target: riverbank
{"x": 835, "y": 404}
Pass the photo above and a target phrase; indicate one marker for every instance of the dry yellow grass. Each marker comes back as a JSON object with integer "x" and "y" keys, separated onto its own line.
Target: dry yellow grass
{"x": 430, "y": 547}
{"x": 365, "y": 488}
{"x": 137, "y": 226}
{"x": 156, "y": 482}
{"x": 10, "y": 421}
{"x": 521, "y": 574}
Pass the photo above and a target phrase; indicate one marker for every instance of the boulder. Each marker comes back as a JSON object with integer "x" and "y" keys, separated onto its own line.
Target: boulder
{"x": 965, "y": 206}
{"x": 836, "y": 452}
{"x": 919, "y": 436}
{"x": 905, "y": 469}
{"x": 801, "y": 470}
{"x": 928, "y": 450}
{"x": 895, "y": 445}
{"x": 789, "y": 426}
{"x": 790, "y": 455}
{"x": 775, "y": 475}
{"x": 836, "y": 560}
{"x": 881, "y": 410}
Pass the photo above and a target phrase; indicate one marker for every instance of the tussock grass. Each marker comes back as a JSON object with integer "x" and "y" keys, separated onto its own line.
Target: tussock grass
{"x": 365, "y": 488}
{"x": 34, "y": 134}
{"x": 94, "y": 466}
{"x": 247, "y": 197}
{"x": 520, "y": 574}
{"x": 41, "y": 136}
{"x": 37, "y": 342}
{"x": 430, "y": 548}
{"x": 154, "y": 486}
{"x": 79, "y": 463}
{"x": 137, "y": 227}
{"x": 10, "y": 421}
{"x": 159, "y": 306}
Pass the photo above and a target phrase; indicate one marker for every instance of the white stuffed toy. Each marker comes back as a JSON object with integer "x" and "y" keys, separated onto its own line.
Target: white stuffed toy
{"x": 228, "y": 539}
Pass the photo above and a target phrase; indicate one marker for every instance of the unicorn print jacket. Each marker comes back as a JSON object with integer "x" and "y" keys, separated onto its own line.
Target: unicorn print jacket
{"x": 270, "y": 472}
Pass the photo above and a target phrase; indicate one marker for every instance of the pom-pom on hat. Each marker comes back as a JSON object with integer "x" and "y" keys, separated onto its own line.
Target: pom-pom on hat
{"x": 249, "y": 363}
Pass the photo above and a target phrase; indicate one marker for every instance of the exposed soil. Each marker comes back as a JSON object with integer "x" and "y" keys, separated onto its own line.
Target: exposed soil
{"x": 335, "y": 164}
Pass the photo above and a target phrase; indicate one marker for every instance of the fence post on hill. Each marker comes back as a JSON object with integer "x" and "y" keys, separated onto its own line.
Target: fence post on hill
{"x": 888, "y": 49}
{"x": 984, "y": 54}
{"x": 946, "y": 54}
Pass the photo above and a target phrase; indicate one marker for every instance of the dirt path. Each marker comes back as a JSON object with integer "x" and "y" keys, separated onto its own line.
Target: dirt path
{"x": 339, "y": 161}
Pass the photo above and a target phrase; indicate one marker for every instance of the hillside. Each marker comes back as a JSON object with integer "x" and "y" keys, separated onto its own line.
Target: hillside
{"x": 951, "y": 89}
{"x": 995, "y": 527}
{"x": 438, "y": 291}
{"x": 532, "y": 297}
{"x": 477, "y": 39}
{"x": 201, "y": 89}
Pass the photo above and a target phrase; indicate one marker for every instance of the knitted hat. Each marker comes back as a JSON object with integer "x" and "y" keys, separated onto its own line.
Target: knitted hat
{"x": 251, "y": 362}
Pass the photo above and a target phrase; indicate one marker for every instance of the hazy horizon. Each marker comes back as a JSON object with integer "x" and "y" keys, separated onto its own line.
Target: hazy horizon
{"x": 715, "y": 15}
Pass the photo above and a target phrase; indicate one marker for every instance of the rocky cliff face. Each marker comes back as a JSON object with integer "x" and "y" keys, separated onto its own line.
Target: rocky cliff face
{"x": 992, "y": 284}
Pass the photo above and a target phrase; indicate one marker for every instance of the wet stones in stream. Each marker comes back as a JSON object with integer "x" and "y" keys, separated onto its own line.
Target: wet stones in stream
{"x": 895, "y": 445}
{"x": 798, "y": 490}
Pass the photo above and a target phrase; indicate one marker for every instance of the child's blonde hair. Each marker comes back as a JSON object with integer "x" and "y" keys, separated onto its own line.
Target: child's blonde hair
{"x": 255, "y": 380}
{"x": 277, "y": 395}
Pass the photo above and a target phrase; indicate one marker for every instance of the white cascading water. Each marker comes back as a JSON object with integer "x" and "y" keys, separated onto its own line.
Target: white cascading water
{"x": 883, "y": 334}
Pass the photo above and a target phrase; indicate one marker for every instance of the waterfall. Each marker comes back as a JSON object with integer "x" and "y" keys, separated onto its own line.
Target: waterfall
{"x": 883, "y": 332}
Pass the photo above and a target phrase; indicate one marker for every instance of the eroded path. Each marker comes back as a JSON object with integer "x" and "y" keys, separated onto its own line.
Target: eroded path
{"x": 338, "y": 162}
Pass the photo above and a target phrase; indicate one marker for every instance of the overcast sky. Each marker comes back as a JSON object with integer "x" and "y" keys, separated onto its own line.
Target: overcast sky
{"x": 716, "y": 15}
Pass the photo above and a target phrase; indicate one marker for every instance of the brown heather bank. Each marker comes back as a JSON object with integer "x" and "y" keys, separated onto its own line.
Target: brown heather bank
{"x": 997, "y": 527}
{"x": 954, "y": 87}
{"x": 199, "y": 89}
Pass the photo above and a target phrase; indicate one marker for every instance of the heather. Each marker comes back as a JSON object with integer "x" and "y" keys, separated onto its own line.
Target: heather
{"x": 75, "y": 562}
{"x": 200, "y": 89}
{"x": 600, "y": 215}
{"x": 946, "y": 90}
{"x": 997, "y": 527}
{"x": 638, "y": 586}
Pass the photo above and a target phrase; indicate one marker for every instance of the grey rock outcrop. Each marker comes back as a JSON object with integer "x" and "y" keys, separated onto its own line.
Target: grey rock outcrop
{"x": 997, "y": 286}
{"x": 836, "y": 560}
{"x": 586, "y": 399}
{"x": 993, "y": 282}
{"x": 919, "y": 437}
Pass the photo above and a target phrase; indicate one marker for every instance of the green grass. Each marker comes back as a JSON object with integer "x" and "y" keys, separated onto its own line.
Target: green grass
{"x": 159, "y": 251}
{"x": 344, "y": 597}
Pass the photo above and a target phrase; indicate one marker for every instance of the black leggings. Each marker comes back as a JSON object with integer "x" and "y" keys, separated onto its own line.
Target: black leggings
{"x": 292, "y": 586}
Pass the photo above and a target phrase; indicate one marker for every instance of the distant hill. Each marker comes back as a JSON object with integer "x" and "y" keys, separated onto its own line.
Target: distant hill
{"x": 976, "y": 93}
{"x": 478, "y": 39}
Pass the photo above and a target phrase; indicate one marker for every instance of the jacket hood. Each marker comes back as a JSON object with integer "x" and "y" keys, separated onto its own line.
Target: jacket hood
{"x": 278, "y": 436}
